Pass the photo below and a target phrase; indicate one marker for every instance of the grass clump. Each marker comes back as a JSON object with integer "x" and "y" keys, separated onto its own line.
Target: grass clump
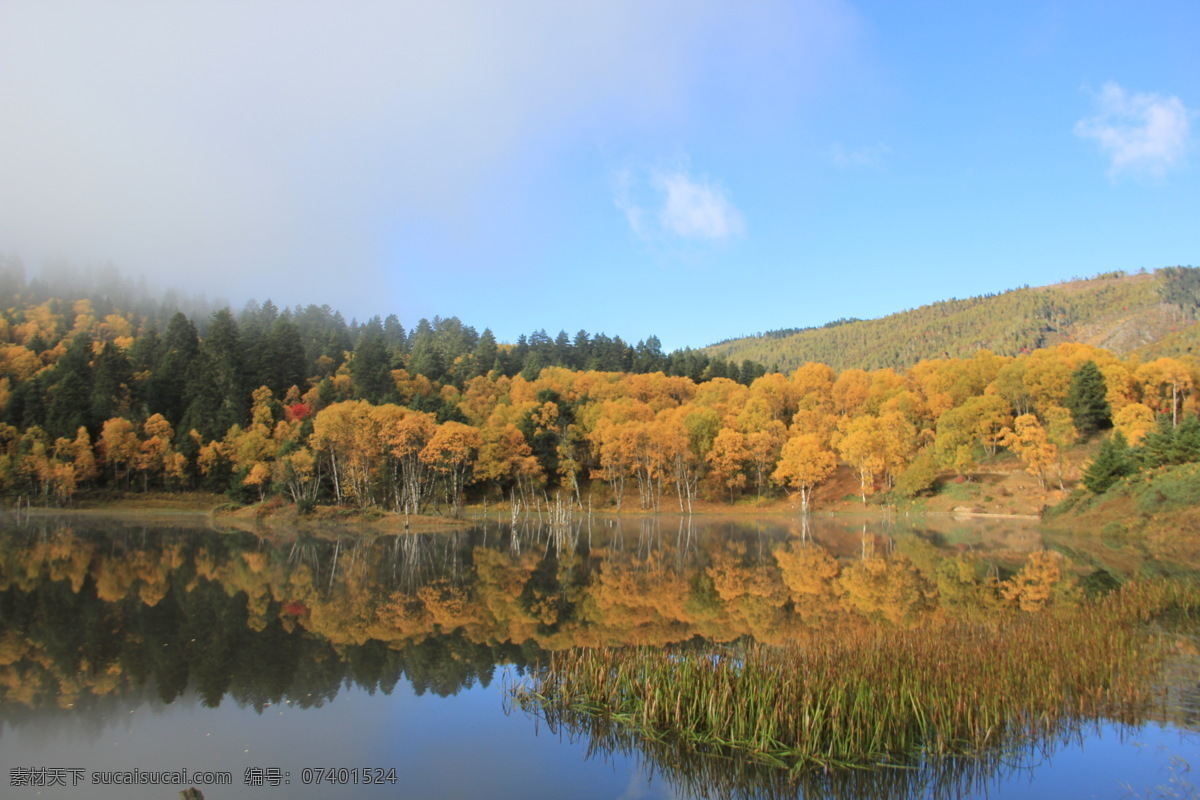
{"x": 882, "y": 695}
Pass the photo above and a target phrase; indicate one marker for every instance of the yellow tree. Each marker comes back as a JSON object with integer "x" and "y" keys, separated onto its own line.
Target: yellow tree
{"x": 899, "y": 443}
{"x": 612, "y": 431}
{"x": 1031, "y": 444}
{"x": 850, "y": 391}
{"x": 804, "y": 464}
{"x": 779, "y": 394}
{"x": 1166, "y": 383}
{"x": 764, "y": 436}
{"x": 634, "y": 444}
{"x": 1060, "y": 430}
{"x": 813, "y": 387}
{"x": 404, "y": 434}
{"x": 253, "y": 449}
{"x": 980, "y": 420}
{"x": 300, "y": 471}
{"x": 155, "y": 454}
{"x": 451, "y": 453}
{"x": 79, "y": 451}
{"x": 863, "y": 445}
{"x": 1134, "y": 421}
{"x": 821, "y": 423}
{"x": 727, "y": 460}
{"x": 506, "y": 457}
{"x": 46, "y": 474}
{"x": 342, "y": 433}
{"x": 121, "y": 447}
{"x": 698, "y": 428}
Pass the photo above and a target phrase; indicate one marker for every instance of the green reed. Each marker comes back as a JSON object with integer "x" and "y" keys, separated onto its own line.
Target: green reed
{"x": 879, "y": 696}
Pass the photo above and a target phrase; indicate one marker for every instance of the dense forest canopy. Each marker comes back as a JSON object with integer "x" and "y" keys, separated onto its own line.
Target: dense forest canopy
{"x": 108, "y": 387}
{"x": 1114, "y": 310}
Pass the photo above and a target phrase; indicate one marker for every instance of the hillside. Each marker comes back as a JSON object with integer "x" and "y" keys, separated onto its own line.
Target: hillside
{"x": 1146, "y": 312}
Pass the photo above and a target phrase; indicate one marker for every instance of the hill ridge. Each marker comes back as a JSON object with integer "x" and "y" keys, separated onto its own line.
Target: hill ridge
{"x": 1118, "y": 311}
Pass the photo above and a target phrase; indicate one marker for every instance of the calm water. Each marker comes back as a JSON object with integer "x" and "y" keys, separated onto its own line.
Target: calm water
{"x": 289, "y": 660}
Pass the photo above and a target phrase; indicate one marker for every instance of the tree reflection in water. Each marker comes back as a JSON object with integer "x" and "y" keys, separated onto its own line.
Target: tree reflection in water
{"x": 95, "y": 611}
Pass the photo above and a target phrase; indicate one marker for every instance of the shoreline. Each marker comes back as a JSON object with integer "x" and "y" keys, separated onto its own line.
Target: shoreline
{"x": 216, "y": 512}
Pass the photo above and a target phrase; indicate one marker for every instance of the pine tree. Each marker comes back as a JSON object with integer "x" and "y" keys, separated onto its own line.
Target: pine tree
{"x": 485, "y": 352}
{"x": 1112, "y": 463}
{"x": 1087, "y": 401}
{"x": 217, "y": 389}
{"x": 71, "y": 393}
{"x": 281, "y": 357}
{"x": 165, "y": 392}
{"x": 113, "y": 378}
{"x": 371, "y": 368}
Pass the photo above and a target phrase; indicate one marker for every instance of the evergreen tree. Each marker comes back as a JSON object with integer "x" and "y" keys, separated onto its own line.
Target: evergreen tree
{"x": 165, "y": 392}
{"x": 394, "y": 335}
{"x": 71, "y": 390}
{"x": 281, "y": 357}
{"x": 143, "y": 357}
{"x": 111, "y": 390}
{"x": 1112, "y": 463}
{"x": 562, "y": 351}
{"x": 27, "y": 404}
{"x": 1169, "y": 444}
{"x": 485, "y": 352}
{"x": 216, "y": 391}
{"x": 1087, "y": 401}
{"x": 648, "y": 356}
{"x": 425, "y": 359}
{"x": 371, "y": 369}
{"x": 581, "y": 350}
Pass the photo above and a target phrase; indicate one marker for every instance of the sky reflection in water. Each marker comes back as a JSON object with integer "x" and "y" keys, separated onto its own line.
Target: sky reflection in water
{"x": 462, "y": 744}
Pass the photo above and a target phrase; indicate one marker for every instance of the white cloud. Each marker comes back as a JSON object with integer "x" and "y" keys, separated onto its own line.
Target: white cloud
{"x": 671, "y": 202}
{"x": 696, "y": 209}
{"x": 1142, "y": 134}
{"x": 254, "y": 148}
{"x": 871, "y": 155}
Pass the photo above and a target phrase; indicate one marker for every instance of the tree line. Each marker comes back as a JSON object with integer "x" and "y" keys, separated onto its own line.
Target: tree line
{"x": 283, "y": 403}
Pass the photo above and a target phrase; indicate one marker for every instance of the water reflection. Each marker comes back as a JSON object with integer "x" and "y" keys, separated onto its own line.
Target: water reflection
{"x": 714, "y": 775}
{"x": 98, "y": 617}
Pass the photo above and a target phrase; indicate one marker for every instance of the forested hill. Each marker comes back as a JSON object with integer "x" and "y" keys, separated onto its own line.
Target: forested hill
{"x": 1119, "y": 312}
{"x": 79, "y": 348}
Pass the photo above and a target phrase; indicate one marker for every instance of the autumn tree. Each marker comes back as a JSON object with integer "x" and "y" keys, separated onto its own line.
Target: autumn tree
{"x": 863, "y": 446}
{"x": 805, "y": 463}
{"x": 978, "y": 422}
{"x": 1166, "y": 383}
{"x": 1031, "y": 444}
{"x": 1134, "y": 421}
{"x": 451, "y": 453}
{"x": 727, "y": 461}
{"x": 347, "y": 437}
{"x": 764, "y": 436}
{"x": 404, "y": 434}
{"x": 121, "y": 447}
{"x": 156, "y": 458}
{"x": 506, "y": 460}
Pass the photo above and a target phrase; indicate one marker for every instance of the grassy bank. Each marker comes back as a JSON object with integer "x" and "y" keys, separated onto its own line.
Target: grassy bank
{"x": 1160, "y": 502}
{"x": 882, "y": 696}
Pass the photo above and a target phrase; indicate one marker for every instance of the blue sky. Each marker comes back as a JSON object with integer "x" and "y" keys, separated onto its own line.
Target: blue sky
{"x": 695, "y": 170}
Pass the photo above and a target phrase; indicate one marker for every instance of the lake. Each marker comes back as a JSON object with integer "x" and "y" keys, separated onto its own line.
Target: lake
{"x": 328, "y": 664}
